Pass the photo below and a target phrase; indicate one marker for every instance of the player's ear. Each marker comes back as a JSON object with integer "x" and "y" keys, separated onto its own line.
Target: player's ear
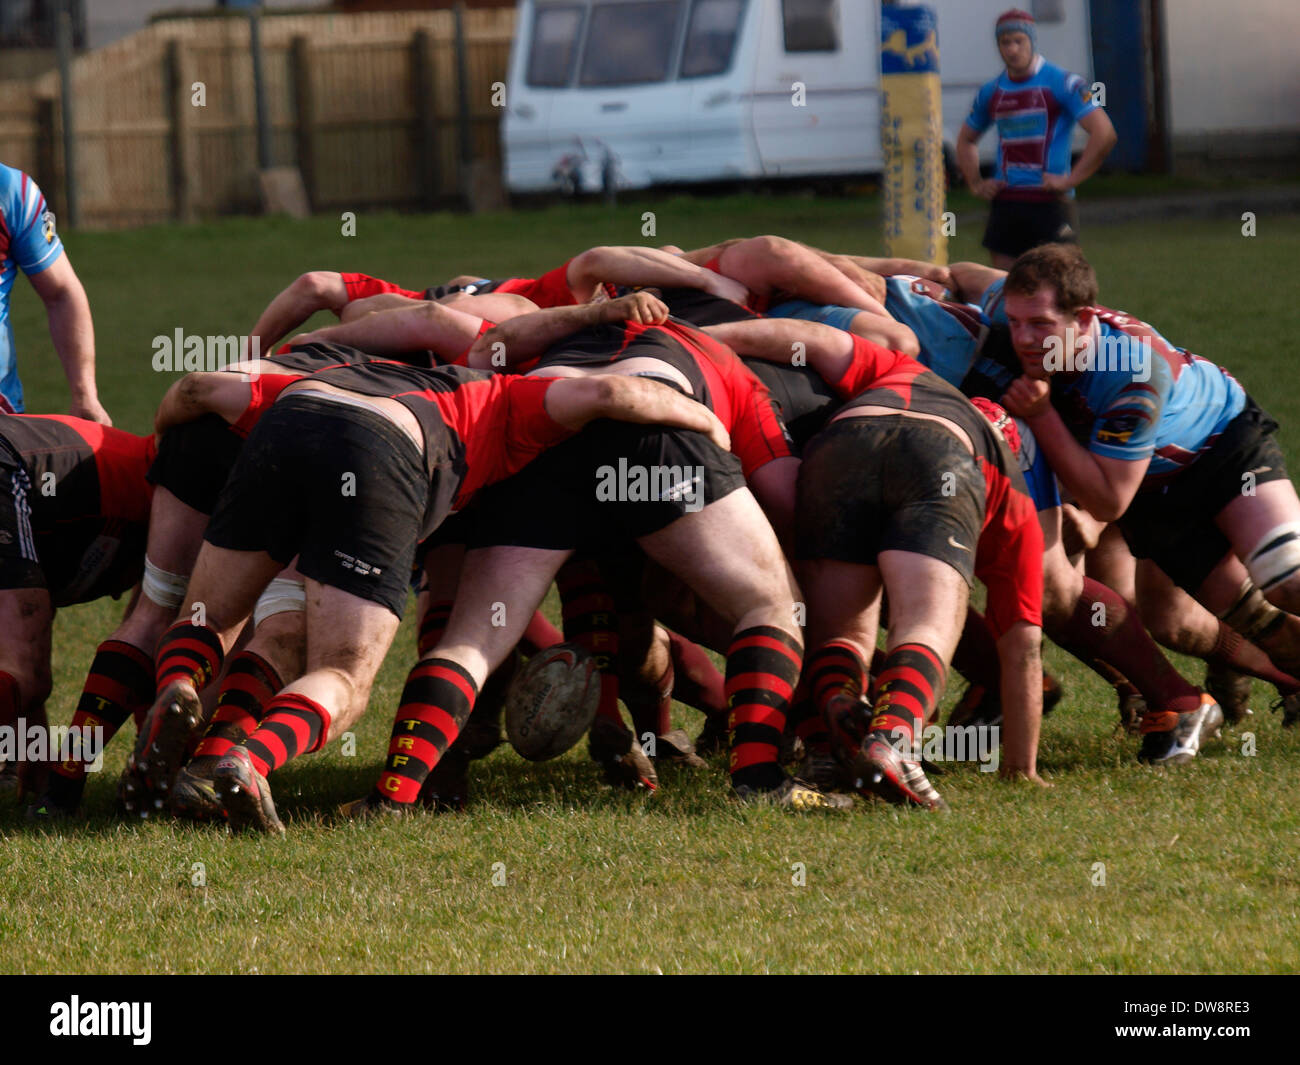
{"x": 1083, "y": 318}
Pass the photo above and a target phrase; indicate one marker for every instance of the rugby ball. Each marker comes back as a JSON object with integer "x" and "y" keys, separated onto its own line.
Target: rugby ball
{"x": 552, "y": 702}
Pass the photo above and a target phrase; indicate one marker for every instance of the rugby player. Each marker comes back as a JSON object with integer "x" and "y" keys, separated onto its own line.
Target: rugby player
{"x": 349, "y": 470}
{"x": 74, "y": 510}
{"x": 1173, "y": 449}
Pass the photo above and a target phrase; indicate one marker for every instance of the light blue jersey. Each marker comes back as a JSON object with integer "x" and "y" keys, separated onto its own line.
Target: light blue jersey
{"x": 29, "y": 243}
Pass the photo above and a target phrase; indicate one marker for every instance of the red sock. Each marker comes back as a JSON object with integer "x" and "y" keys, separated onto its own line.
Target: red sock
{"x": 433, "y": 625}
{"x": 763, "y": 665}
{"x": 250, "y": 683}
{"x": 697, "y": 681}
{"x": 976, "y": 656}
{"x": 539, "y": 635}
{"x": 292, "y": 725}
{"x": 589, "y": 621}
{"x": 190, "y": 653}
{"x": 436, "y": 702}
{"x": 1104, "y": 626}
{"x": 908, "y": 688}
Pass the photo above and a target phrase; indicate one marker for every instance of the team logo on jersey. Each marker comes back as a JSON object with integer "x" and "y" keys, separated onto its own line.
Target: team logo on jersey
{"x": 47, "y": 227}
{"x": 1118, "y": 430}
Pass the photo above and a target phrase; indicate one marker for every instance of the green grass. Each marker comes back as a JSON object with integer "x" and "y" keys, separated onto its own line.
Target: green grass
{"x": 1201, "y": 870}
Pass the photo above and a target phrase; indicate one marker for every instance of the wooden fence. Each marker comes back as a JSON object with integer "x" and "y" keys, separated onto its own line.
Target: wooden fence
{"x": 367, "y": 106}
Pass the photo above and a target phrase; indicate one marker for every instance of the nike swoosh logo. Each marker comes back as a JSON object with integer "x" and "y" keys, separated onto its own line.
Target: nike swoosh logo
{"x": 960, "y": 547}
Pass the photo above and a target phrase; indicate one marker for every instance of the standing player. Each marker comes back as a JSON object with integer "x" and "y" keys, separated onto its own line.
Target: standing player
{"x": 1035, "y": 105}
{"x": 29, "y": 243}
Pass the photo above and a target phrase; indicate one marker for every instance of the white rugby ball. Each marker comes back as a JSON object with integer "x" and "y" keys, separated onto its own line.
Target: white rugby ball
{"x": 552, "y": 702}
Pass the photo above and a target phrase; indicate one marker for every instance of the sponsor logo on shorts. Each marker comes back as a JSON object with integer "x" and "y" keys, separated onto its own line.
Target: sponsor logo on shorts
{"x": 954, "y": 543}
{"x": 632, "y": 483}
{"x": 355, "y": 565}
{"x": 190, "y": 353}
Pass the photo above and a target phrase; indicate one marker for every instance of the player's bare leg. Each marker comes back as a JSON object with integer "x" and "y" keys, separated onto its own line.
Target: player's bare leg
{"x": 499, "y": 589}
{"x": 27, "y": 620}
{"x": 347, "y": 639}
{"x": 222, "y": 593}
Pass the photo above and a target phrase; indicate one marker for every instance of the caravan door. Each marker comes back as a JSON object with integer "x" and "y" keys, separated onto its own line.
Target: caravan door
{"x": 816, "y": 102}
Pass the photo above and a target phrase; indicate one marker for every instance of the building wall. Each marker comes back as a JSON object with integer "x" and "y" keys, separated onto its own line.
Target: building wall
{"x": 111, "y": 20}
{"x": 1233, "y": 66}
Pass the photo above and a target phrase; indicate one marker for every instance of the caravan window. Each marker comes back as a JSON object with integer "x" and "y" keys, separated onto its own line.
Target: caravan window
{"x": 811, "y": 25}
{"x": 555, "y": 42}
{"x": 711, "y": 37}
{"x": 630, "y": 44}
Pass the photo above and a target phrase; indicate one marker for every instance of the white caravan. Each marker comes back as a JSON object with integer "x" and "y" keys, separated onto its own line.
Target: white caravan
{"x": 645, "y": 92}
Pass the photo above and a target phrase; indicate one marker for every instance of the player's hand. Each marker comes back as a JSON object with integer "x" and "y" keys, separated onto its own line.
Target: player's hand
{"x": 872, "y": 284}
{"x": 1028, "y": 397}
{"x": 1057, "y": 182}
{"x": 726, "y": 288}
{"x": 717, "y": 432}
{"x": 1015, "y": 776}
{"x": 90, "y": 409}
{"x": 987, "y": 188}
{"x": 640, "y": 307}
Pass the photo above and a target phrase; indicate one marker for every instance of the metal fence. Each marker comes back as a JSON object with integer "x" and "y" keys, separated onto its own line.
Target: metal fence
{"x": 369, "y": 107}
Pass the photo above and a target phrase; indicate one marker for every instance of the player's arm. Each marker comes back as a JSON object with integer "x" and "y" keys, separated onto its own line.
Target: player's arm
{"x": 914, "y": 267}
{"x": 200, "y": 393}
{"x": 73, "y": 334}
{"x": 1019, "y": 655}
{"x": 575, "y": 401}
{"x": 1101, "y": 139}
{"x": 644, "y": 267}
{"x": 968, "y": 161}
{"x": 971, "y": 280}
{"x": 443, "y": 330}
{"x": 527, "y": 336}
{"x": 317, "y": 290}
{"x": 1103, "y": 486}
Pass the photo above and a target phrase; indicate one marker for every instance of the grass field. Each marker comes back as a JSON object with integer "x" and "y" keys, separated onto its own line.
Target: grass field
{"x": 1201, "y": 869}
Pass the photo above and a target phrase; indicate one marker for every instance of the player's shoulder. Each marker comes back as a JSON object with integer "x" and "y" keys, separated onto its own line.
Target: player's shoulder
{"x": 1066, "y": 82}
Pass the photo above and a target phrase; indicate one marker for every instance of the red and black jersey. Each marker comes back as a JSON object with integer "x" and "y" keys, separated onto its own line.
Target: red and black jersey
{"x": 1009, "y": 556}
{"x": 717, "y": 377}
{"x": 90, "y": 501}
{"x": 806, "y": 401}
{"x": 478, "y": 427}
{"x": 549, "y": 290}
{"x": 361, "y": 286}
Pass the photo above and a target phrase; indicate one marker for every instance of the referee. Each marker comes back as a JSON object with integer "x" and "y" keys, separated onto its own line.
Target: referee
{"x": 1035, "y": 105}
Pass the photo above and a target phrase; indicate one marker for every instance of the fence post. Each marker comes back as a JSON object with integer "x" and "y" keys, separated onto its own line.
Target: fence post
{"x": 177, "y": 77}
{"x": 462, "y": 108}
{"x": 426, "y": 124}
{"x": 305, "y": 116}
{"x": 259, "y": 89}
{"x": 47, "y": 164}
{"x": 63, "y": 43}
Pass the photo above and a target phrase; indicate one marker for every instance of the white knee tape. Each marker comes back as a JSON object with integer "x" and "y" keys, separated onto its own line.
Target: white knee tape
{"x": 165, "y": 589}
{"x": 281, "y": 595}
{"x": 1276, "y": 557}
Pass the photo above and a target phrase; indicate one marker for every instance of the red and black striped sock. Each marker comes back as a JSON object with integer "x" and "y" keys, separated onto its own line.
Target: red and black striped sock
{"x": 809, "y": 725}
{"x": 835, "y": 669}
{"x": 436, "y": 703}
{"x": 976, "y": 656}
{"x": 1104, "y": 626}
{"x": 697, "y": 681}
{"x": 119, "y": 684}
{"x": 763, "y": 665}
{"x": 908, "y": 689}
{"x": 433, "y": 625}
{"x": 539, "y": 635}
{"x": 249, "y": 685}
{"x": 590, "y": 622}
{"x": 191, "y": 653}
{"x": 292, "y": 725}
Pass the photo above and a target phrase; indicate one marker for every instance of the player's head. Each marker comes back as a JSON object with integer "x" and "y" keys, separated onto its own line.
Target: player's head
{"x": 1017, "y": 38}
{"x": 1001, "y": 421}
{"x": 1049, "y": 293}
